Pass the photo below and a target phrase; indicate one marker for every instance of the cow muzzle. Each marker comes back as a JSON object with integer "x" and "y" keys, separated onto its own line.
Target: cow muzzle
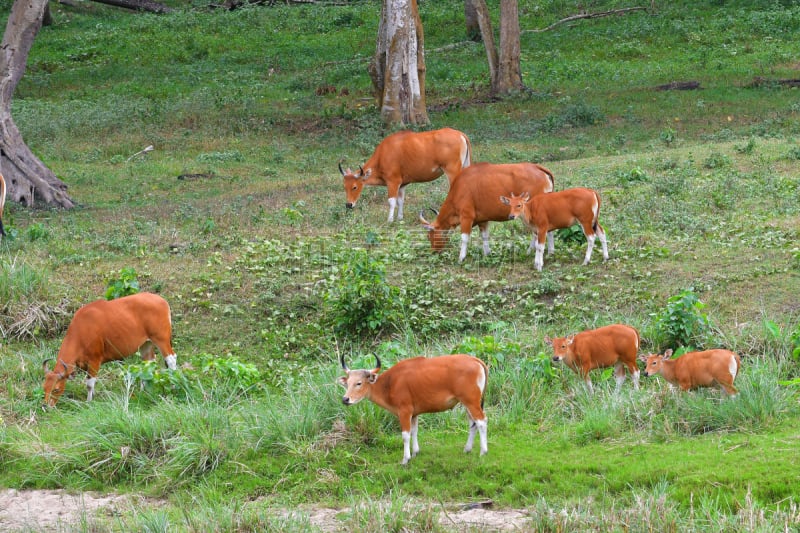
{"x": 350, "y": 205}
{"x": 346, "y": 401}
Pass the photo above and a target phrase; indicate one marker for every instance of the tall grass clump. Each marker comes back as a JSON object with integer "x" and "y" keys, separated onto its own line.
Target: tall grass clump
{"x": 682, "y": 322}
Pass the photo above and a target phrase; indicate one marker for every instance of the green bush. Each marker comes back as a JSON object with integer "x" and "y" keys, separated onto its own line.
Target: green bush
{"x": 682, "y": 322}
{"x": 360, "y": 299}
{"x": 125, "y": 285}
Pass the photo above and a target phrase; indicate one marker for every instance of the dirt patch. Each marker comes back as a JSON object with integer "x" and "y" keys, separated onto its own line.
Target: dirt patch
{"x": 56, "y": 510}
{"x": 51, "y": 510}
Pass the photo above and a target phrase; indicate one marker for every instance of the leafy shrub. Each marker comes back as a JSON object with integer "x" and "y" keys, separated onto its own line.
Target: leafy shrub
{"x": 125, "y": 285}
{"x": 717, "y": 160}
{"x": 668, "y": 136}
{"x": 633, "y": 175}
{"x": 488, "y": 349}
{"x": 36, "y": 232}
{"x": 682, "y": 322}
{"x": 360, "y": 298}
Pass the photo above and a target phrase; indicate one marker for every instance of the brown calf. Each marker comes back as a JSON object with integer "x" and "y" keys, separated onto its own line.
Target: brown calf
{"x": 696, "y": 369}
{"x": 615, "y": 345}
{"x": 423, "y": 385}
{"x": 557, "y": 210}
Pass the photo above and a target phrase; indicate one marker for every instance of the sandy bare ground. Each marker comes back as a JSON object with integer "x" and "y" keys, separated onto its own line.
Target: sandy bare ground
{"x": 56, "y": 510}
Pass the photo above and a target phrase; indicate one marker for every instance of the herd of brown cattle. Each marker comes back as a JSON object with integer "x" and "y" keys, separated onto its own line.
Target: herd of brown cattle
{"x": 104, "y": 331}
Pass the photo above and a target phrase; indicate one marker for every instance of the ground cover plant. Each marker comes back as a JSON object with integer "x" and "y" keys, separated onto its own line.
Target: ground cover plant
{"x": 237, "y": 218}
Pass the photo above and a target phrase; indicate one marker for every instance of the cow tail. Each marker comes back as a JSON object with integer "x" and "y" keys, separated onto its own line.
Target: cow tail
{"x": 595, "y": 222}
{"x": 486, "y": 383}
{"x": 467, "y": 161}
{"x": 549, "y": 175}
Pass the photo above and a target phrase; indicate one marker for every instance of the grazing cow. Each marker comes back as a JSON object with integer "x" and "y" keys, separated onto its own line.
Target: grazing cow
{"x": 615, "y": 345}
{"x": 409, "y": 157}
{"x": 103, "y": 331}
{"x": 696, "y": 369}
{"x": 423, "y": 385}
{"x": 562, "y": 209}
{"x": 2, "y": 203}
{"x": 472, "y": 200}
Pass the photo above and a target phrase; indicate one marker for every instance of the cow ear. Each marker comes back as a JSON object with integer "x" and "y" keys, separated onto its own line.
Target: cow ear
{"x": 548, "y": 340}
{"x": 367, "y": 174}
{"x": 668, "y": 354}
{"x": 342, "y": 381}
{"x": 570, "y": 338}
{"x": 373, "y": 377}
{"x": 505, "y": 200}
{"x": 642, "y": 358}
{"x": 526, "y": 197}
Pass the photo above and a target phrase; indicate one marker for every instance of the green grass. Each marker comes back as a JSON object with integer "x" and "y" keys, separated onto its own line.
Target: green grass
{"x": 699, "y": 191}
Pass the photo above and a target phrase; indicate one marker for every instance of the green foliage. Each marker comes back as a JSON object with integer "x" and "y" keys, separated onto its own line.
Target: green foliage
{"x": 682, "y": 322}
{"x": 359, "y": 298}
{"x": 124, "y": 285}
{"x": 495, "y": 353}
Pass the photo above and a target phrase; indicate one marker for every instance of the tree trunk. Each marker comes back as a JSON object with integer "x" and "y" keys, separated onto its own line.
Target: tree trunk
{"x": 398, "y": 67}
{"x": 485, "y": 23}
{"x": 27, "y": 178}
{"x": 509, "y": 74}
{"x": 472, "y": 24}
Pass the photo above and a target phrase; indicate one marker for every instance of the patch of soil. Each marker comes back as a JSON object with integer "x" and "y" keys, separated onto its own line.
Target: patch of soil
{"x": 55, "y": 510}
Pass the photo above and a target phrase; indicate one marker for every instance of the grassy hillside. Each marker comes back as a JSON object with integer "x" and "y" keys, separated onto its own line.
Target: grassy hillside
{"x": 237, "y": 218}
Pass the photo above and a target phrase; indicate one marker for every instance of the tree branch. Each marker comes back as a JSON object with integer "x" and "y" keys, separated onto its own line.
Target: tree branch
{"x": 623, "y": 11}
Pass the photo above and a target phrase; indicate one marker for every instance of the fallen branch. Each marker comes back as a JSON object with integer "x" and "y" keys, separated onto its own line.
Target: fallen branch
{"x": 679, "y": 86}
{"x": 623, "y": 11}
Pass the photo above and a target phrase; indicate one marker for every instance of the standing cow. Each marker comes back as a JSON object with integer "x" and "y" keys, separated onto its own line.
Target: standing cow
{"x": 473, "y": 200}
{"x": 693, "y": 370}
{"x": 409, "y": 157}
{"x": 615, "y": 345}
{"x": 423, "y": 385}
{"x": 103, "y": 331}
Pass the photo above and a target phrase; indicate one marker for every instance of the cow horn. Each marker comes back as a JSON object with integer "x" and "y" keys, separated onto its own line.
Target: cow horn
{"x": 422, "y": 219}
{"x": 360, "y": 170}
{"x": 344, "y": 365}
{"x": 377, "y": 368}
{"x": 435, "y": 211}
{"x": 340, "y": 168}
{"x": 44, "y": 363}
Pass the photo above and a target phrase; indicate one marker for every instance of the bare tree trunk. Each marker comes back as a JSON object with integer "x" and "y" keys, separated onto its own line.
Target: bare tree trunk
{"x": 487, "y": 33}
{"x": 509, "y": 73}
{"x": 26, "y": 176}
{"x": 473, "y": 27}
{"x": 398, "y": 67}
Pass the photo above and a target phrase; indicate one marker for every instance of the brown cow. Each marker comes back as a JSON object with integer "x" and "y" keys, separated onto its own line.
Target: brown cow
{"x": 696, "y": 369}
{"x": 409, "y": 157}
{"x": 103, "y": 331}
{"x": 561, "y": 209}
{"x": 423, "y": 385}
{"x": 615, "y": 345}
{"x": 473, "y": 200}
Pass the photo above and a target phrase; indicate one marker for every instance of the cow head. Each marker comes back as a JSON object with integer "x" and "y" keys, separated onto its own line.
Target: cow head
{"x": 561, "y": 346}
{"x": 54, "y": 382}
{"x": 436, "y": 235}
{"x": 516, "y": 203}
{"x": 654, "y": 362}
{"x": 358, "y": 382}
{"x": 353, "y": 184}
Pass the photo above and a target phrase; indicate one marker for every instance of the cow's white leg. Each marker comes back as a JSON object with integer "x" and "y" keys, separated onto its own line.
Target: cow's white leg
{"x": 551, "y": 249}
{"x": 538, "y": 261}
{"x": 90, "y": 388}
{"x": 602, "y": 235}
{"x": 485, "y": 237}
{"x": 401, "y": 199}
{"x": 414, "y": 432}
{"x": 482, "y": 430}
{"x": 619, "y": 375}
{"x": 589, "y": 385}
{"x": 589, "y": 248}
{"x": 635, "y": 378}
{"x": 464, "y": 242}
{"x": 473, "y": 427}
{"x": 532, "y": 245}
{"x": 172, "y": 361}
{"x": 392, "y": 205}
{"x": 406, "y": 447}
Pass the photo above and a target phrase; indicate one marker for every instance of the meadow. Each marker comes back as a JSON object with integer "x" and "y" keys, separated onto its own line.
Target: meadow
{"x": 237, "y": 218}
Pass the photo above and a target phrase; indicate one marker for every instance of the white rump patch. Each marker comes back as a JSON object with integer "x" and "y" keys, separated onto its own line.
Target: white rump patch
{"x": 482, "y": 379}
{"x": 732, "y": 367}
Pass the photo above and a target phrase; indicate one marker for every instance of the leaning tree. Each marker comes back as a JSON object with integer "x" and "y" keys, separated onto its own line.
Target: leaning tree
{"x": 27, "y": 178}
